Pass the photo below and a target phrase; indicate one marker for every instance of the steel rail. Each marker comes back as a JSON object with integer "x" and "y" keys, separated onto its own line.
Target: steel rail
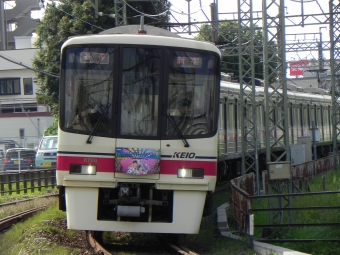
{"x": 95, "y": 244}
{"x": 26, "y": 200}
{"x": 179, "y": 249}
{"x": 10, "y": 220}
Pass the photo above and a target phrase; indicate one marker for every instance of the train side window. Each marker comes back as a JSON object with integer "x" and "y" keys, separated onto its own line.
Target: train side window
{"x": 312, "y": 113}
{"x": 305, "y": 116}
{"x": 231, "y": 116}
{"x": 289, "y": 119}
{"x": 319, "y": 116}
{"x": 325, "y": 116}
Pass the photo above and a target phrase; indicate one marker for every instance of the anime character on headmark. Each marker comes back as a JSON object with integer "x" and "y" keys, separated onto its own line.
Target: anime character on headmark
{"x": 136, "y": 168}
{"x": 137, "y": 161}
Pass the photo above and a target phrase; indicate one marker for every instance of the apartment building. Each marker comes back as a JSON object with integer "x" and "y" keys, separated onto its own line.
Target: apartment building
{"x": 21, "y": 117}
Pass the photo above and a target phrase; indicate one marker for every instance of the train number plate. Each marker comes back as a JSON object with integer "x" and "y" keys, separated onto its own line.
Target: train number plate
{"x": 47, "y": 164}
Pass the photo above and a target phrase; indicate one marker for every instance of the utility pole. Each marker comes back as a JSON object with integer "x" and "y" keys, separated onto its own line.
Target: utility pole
{"x": 189, "y": 16}
{"x": 214, "y": 20}
{"x": 96, "y": 9}
{"x": 2, "y": 26}
{"x": 321, "y": 69}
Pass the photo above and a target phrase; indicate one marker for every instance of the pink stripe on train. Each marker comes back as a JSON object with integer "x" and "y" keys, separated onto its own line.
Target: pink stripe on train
{"x": 106, "y": 165}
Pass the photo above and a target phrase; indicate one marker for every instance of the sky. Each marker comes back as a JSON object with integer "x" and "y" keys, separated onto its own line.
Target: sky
{"x": 292, "y": 8}
{"x": 227, "y": 9}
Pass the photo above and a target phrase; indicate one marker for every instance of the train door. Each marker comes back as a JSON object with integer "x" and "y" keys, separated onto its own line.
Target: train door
{"x": 138, "y": 137}
{"x": 222, "y": 127}
{"x": 319, "y": 122}
{"x": 305, "y": 121}
{"x": 326, "y": 123}
{"x": 231, "y": 125}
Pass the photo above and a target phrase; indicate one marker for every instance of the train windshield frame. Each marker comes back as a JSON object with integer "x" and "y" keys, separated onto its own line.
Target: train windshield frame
{"x": 139, "y": 92}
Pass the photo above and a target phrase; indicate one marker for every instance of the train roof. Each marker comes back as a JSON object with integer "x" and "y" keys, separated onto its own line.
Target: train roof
{"x": 133, "y": 29}
{"x": 232, "y": 89}
{"x": 128, "y": 35}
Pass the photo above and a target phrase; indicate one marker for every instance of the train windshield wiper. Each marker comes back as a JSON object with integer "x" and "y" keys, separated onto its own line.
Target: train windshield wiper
{"x": 96, "y": 126}
{"x": 178, "y": 131}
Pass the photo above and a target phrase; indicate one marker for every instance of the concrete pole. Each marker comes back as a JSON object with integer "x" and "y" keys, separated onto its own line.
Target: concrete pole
{"x": 2, "y": 26}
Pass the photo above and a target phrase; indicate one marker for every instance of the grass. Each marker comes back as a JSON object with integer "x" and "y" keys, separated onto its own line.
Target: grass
{"x": 332, "y": 180}
{"x": 24, "y": 238}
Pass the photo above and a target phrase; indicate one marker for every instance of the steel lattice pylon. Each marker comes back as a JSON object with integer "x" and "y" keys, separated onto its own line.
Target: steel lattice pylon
{"x": 248, "y": 111}
{"x": 275, "y": 93}
{"x": 274, "y": 56}
{"x": 276, "y": 117}
{"x": 120, "y": 12}
{"x": 335, "y": 70}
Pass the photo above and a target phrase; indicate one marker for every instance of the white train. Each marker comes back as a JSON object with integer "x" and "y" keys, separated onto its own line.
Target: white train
{"x": 137, "y": 145}
{"x": 146, "y": 126}
{"x": 305, "y": 106}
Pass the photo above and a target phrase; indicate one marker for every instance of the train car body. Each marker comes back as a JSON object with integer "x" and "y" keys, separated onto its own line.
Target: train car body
{"x": 305, "y": 107}
{"x": 137, "y": 138}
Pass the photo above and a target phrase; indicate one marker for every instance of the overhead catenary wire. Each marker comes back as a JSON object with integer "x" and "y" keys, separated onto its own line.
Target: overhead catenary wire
{"x": 28, "y": 67}
{"x": 78, "y": 18}
{"x": 145, "y": 14}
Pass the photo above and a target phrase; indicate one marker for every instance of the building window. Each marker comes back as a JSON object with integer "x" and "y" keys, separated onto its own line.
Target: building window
{"x": 22, "y": 133}
{"x": 10, "y": 86}
{"x": 28, "y": 86}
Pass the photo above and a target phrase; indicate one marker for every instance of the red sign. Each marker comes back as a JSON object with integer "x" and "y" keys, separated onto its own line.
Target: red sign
{"x": 294, "y": 69}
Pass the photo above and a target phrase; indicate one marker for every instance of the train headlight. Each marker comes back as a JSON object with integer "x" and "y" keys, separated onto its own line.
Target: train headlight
{"x": 190, "y": 173}
{"x": 83, "y": 169}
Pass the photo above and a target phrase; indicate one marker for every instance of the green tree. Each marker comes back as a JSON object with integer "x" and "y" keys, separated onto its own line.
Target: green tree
{"x": 72, "y": 18}
{"x": 53, "y": 129}
{"x": 228, "y": 38}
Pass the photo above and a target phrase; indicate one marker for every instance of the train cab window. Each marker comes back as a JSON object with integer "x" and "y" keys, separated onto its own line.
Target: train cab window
{"x": 192, "y": 93}
{"x": 87, "y": 95}
{"x": 140, "y": 91}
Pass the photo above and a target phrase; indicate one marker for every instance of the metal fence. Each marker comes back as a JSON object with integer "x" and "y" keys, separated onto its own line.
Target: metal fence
{"x": 27, "y": 181}
{"x": 247, "y": 206}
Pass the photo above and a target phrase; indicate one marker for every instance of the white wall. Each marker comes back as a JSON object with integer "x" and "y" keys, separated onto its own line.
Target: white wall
{"x": 23, "y": 42}
{"x": 34, "y": 126}
{"x": 23, "y": 55}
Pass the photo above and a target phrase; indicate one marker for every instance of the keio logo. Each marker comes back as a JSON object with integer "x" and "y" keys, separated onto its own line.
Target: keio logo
{"x": 184, "y": 155}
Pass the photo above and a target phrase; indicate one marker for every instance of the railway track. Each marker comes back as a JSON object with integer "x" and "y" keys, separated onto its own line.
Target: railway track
{"x": 26, "y": 200}
{"x": 173, "y": 246}
{"x": 10, "y": 220}
{"x": 223, "y": 187}
{"x": 178, "y": 249}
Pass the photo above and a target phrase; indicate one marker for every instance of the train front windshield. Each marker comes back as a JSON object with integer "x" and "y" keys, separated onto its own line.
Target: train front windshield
{"x": 139, "y": 92}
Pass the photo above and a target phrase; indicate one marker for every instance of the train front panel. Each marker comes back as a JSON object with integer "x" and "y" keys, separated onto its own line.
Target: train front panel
{"x": 137, "y": 145}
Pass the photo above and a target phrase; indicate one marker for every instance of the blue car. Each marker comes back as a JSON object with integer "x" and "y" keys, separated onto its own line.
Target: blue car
{"x": 47, "y": 152}
{"x": 17, "y": 159}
